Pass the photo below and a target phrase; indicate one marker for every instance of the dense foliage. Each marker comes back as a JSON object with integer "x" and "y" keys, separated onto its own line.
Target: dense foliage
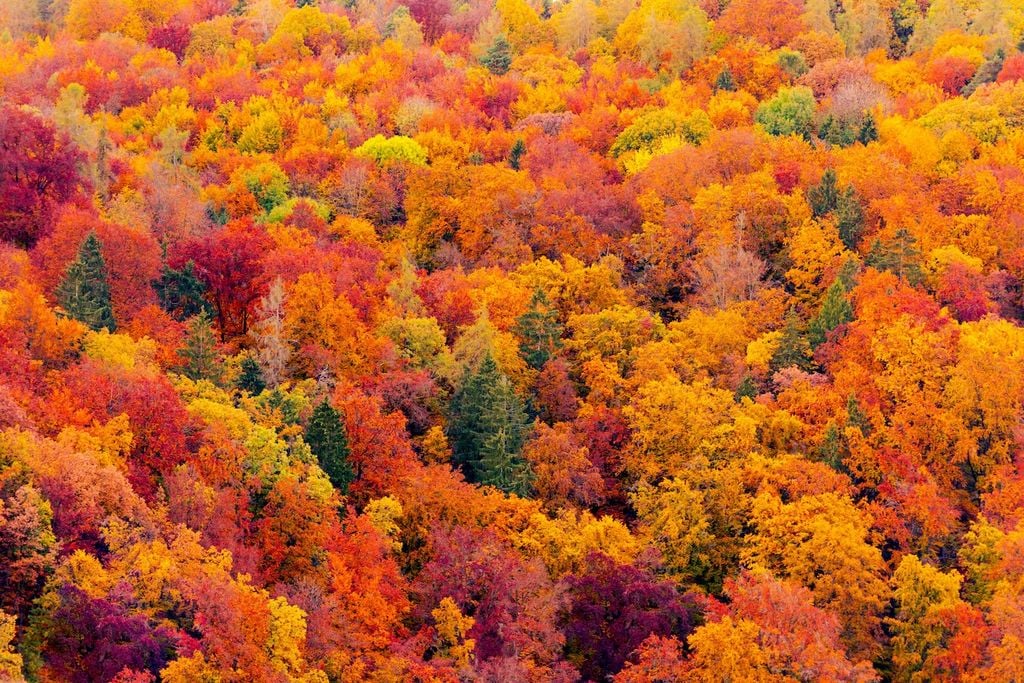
{"x": 511, "y": 340}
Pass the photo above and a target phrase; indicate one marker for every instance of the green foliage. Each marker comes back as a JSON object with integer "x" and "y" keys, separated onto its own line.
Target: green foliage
{"x": 539, "y": 331}
{"x": 835, "y": 311}
{"x": 326, "y": 437}
{"x": 498, "y": 58}
{"x": 200, "y": 352}
{"x": 868, "y": 129}
{"x": 251, "y": 377}
{"x": 515, "y": 155}
{"x": 652, "y": 127}
{"x": 268, "y": 184}
{"x": 397, "y": 148}
{"x": 181, "y": 293}
{"x": 900, "y": 256}
{"x": 794, "y": 349}
{"x": 487, "y": 428}
{"x": 986, "y": 73}
{"x": 725, "y": 81}
{"x": 790, "y": 112}
{"x": 824, "y": 197}
{"x": 84, "y": 293}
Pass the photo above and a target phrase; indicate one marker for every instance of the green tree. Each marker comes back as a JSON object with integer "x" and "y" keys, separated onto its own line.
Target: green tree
{"x": 824, "y": 197}
{"x": 835, "y": 311}
{"x": 181, "y": 292}
{"x": 868, "y": 129}
{"x": 900, "y": 256}
{"x": 790, "y": 112}
{"x": 849, "y": 218}
{"x": 251, "y": 377}
{"x": 326, "y": 437}
{"x": 200, "y": 351}
{"x": 794, "y": 348}
{"x": 725, "y": 81}
{"x": 499, "y": 56}
{"x": 84, "y": 293}
{"x": 539, "y": 331}
{"x": 487, "y": 427}
{"x": 515, "y": 155}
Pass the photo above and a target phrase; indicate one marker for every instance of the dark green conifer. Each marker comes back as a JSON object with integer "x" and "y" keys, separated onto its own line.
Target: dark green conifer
{"x": 835, "y": 311}
{"x": 180, "y": 292}
{"x": 251, "y": 377}
{"x": 499, "y": 56}
{"x": 793, "y": 350}
{"x": 84, "y": 293}
{"x": 200, "y": 352}
{"x": 515, "y": 155}
{"x": 539, "y": 331}
{"x": 328, "y": 441}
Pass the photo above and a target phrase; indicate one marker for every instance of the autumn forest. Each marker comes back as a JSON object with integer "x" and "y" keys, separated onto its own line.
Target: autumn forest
{"x": 540, "y": 341}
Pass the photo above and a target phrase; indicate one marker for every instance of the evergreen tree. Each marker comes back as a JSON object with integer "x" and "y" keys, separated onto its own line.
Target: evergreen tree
{"x": 326, "y": 437}
{"x": 868, "y": 129}
{"x": 835, "y": 311}
{"x": 836, "y": 133}
{"x": 833, "y": 448}
{"x": 499, "y": 56}
{"x": 725, "y": 80}
{"x": 84, "y": 293}
{"x": 487, "y": 427}
{"x": 824, "y": 197}
{"x": 849, "y": 218}
{"x": 181, "y": 292}
{"x": 900, "y": 256}
{"x": 251, "y": 377}
{"x": 793, "y": 350}
{"x": 855, "y": 417}
{"x": 200, "y": 352}
{"x": 986, "y": 73}
{"x": 746, "y": 389}
{"x": 539, "y": 331}
{"x": 515, "y": 156}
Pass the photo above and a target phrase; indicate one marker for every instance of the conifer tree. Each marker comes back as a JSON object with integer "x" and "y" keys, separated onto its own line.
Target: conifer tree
{"x": 899, "y": 256}
{"x": 515, "y": 155}
{"x": 793, "y": 350}
{"x": 326, "y": 437}
{"x": 487, "y": 428}
{"x": 849, "y": 218}
{"x": 200, "y": 351}
{"x": 499, "y": 56}
{"x": 868, "y": 129}
{"x": 725, "y": 80}
{"x": 539, "y": 331}
{"x": 835, "y": 311}
{"x": 180, "y": 292}
{"x": 84, "y": 293}
{"x": 251, "y": 377}
{"x": 824, "y": 197}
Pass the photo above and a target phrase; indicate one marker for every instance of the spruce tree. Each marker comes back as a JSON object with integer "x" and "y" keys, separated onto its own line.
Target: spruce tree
{"x": 725, "y": 81}
{"x": 515, "y": 155}
{"x": 200, "y": 351}
{"x": 180, "y": 292}
{"x": 793, "y": 349}
{"x": 835, "y": 311}
{"x": 326, "y": 437}
{"x": 824, "y": 197}
{"x": 900, "y": 256}
{"x": 986, "y": 73}
{"x": 499, "y": 56}
{"x": 84, "y": 293}
{"x": 868, "y": 129}
{"x": 539, "y": 331}
{"x": 251, "y": 377}
{"x": 487, "y": 427}
{"x": 849, "y": 218}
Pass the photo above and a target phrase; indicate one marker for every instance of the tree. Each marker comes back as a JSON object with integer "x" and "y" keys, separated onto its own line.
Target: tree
{"x": 539, "y": 331}
{"x": 498, "y": 57}
{"x": 835, "y": 311}
{"x": 181, "y": 292}
{"x": 824, "y": 197}
{"x": 515, "y": 155}
{"x": 899, "y": 256}
{"x": 84, "y": 293}
{"x": 849, "y": 218}
{"x": 868, "y": 129}
{"x": 487, "y": 428}
{"x": 793, "y": 348}
{"x": 38, "y": 172}
{"x": 273, "y": 350}
{"x": 251, "y": 377}
{"x": 326, "y": 437}
{"x": 790, "y": 112}
{"x": 200, "y": 351}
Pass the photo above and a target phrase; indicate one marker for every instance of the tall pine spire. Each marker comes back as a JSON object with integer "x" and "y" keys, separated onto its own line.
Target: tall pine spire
{"x": 326, "y": 437}
{"x": 84, "y": 293}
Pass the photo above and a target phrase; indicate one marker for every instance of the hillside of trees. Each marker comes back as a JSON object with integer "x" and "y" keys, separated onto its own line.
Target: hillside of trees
{"x": 510, "y": 341}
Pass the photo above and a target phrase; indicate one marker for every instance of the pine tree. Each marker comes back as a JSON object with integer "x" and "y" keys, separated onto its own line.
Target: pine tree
{"x": 499, "y": 56}
{"x": 855, "y": 417}
{"x": 487, "y": 428}
{"x": 900, "y": 256}
{"x": 725, "y": 81}
{"x": 824, "y": 197}
{"x": 746, "y": 389}
{"x": 84, "y": 293}
{"x": 181, "y": 293}
{"x": 793, "y": 350}
{"x": 515, "y": 155}
{"x": 326, "y": 437}
{"x": 539, "y": 331}
{"x": 849, "y": 218}
{"x": 200, "y": 352}
{"x": 835, "y": 311}
{"x": 251, "y": 377}
{"x": 868, "y": 129}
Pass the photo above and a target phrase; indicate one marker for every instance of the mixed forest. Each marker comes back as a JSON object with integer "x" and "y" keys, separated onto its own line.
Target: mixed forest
{"x": 511, "y": 341}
